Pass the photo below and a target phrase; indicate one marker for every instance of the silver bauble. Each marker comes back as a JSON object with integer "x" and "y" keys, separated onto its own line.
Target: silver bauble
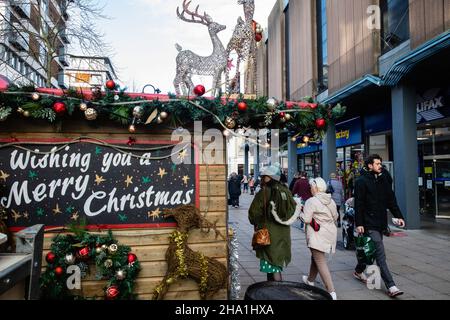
{"x": 138, "y": 112}
{"x": 163, "y": 115}
{"x": 83, "y": 106}
{"x": 272, "y": 104}
{"x": 230, "y": 123}
{"x": 121, "y": 274}
{"x": 69, "y": 258}
{"x": 108, "y": 263}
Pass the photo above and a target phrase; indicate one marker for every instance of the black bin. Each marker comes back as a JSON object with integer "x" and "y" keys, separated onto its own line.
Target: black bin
{"x": 283, "y": 290}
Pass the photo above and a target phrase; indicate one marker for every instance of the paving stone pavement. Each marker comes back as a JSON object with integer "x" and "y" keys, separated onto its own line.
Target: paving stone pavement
{"x": 419, "y": 261}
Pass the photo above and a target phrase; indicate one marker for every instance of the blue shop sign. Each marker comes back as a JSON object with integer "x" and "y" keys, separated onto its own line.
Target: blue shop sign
{"x": 310, "y": 148}
{"x": 348, "y": 133}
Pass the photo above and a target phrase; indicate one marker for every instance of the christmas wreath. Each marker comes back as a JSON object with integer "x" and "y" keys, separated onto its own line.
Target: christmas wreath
{"x": 115, "y": 263}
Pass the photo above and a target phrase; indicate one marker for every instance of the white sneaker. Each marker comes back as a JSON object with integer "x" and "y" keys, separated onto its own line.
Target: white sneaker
{"x": 333, "y": 295}
{"x": 394, "y": 292}
{"x": 305, "y": 281}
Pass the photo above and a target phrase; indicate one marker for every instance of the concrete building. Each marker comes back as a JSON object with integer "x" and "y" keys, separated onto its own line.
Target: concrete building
{"x": 23, "y": 57}
{"x": 88, "y": 72}
{"x": 387, "y": 61}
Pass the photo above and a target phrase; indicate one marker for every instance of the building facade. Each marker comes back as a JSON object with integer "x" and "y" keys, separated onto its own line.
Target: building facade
{"x": 24, "y": 58}
{"x": 88, "y": 72}
{"x": 387, "y": 61}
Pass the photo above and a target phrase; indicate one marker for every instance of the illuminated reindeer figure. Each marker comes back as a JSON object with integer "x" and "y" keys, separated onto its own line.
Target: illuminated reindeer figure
{"x": 243, "y": 43}
{"x": 189, "y": 63}
{"x": 183, "y": 262}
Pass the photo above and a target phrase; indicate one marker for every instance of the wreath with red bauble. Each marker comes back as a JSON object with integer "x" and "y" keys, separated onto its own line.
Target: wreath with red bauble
{"x": 113, "y": 262}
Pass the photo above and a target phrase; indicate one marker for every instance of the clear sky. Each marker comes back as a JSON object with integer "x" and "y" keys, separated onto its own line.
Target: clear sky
{"x": 143, "y": 34}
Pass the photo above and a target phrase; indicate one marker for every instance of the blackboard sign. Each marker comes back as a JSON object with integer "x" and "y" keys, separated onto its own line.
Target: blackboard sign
{"x": 56, "y": 183}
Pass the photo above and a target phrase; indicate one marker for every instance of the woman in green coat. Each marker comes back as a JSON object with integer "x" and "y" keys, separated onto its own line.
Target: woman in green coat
{"x": 275, "y": 208}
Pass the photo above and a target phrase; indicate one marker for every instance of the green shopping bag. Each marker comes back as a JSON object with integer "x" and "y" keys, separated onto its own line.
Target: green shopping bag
{"x": 365, "y": 249}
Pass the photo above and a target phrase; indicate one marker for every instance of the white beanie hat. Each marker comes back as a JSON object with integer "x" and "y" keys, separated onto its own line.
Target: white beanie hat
{"x": 319, "y": 183}
{"x": 272, "y": 171}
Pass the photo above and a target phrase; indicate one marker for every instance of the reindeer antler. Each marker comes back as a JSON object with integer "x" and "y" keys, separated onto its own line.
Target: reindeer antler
{"x": 204, "y": 19}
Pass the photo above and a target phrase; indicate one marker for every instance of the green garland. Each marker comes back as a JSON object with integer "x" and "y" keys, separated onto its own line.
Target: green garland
{"x": 113, "y": 262}
{"x": 297, "y": 118}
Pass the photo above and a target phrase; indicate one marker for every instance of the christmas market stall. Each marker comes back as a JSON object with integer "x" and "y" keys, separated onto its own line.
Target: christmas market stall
{"x": 128, "y": 206}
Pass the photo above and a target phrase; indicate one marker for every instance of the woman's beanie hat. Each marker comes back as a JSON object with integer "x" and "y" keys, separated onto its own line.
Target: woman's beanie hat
{"x": 272, "y": 171}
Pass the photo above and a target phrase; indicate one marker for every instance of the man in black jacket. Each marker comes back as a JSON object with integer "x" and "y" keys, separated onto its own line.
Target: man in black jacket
{"x": 373, "y": 196}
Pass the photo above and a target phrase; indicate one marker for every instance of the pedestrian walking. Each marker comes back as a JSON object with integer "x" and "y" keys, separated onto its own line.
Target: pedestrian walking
{"x": 337, "y": 194}
{"x": 373, "y": 196}
{"x": 302, "y": 189}
{"x": 274, "y": 208}
{"x": 251, "y": 184}
{"x": 294, "y": 180}
{"x": 320, "y": 215}
{"x": 234, "y": 189}
{"x": 245, "y": 183}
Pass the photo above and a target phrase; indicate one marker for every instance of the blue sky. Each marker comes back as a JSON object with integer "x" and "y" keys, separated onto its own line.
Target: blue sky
{"x": 143, "y": 34}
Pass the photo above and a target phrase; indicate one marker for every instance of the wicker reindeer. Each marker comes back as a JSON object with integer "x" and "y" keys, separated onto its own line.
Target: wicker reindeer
{"x": 189, "y": 63}
{"x": 183, "y": 262}
{"x": 243, "y": 43}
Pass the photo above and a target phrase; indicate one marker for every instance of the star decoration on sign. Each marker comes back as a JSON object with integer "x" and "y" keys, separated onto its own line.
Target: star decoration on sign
{"x": 162, "y": 172}
{"x": 146, "y": 180}
{"x": 16, "y": 215}
{"x": 40, "y": 212}
{"x": 122, "y": 217}
{"x": 129, "y": 180}
{"x": 154, "y": 214}
{"x": 99, "y": 179}
{"x": 26, "y": 215}
{"x": 70, "y": 209}
{"x": 56, "y": 210}
{"x": 98, "y": 150}
{"x": 174, "y": 168}
{"x": 3, "y": 175}
{"x": 182, "y": 155}
{"x": 75, "y": 216}
{"x": 185, "y": 179}
{"x": 32, "y": 174}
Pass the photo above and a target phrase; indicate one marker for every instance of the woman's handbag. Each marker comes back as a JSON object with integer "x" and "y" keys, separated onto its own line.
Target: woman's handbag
{"x": 315, "y": 225}
{"x": 261, "y": 237}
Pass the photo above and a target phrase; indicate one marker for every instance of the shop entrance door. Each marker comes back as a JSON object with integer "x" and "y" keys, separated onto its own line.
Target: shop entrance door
{"x": 442, "y": 186}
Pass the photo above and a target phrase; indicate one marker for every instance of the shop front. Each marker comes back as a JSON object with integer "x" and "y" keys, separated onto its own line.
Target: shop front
{"x": 309, "y": 159}
{"x": 433, "y": 139}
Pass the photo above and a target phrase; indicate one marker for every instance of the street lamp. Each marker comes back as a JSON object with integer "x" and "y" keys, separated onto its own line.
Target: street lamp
{"x": 155, "y": 90}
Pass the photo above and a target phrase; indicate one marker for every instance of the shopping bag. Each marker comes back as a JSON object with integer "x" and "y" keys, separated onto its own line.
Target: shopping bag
{"x": 365, "y": 250}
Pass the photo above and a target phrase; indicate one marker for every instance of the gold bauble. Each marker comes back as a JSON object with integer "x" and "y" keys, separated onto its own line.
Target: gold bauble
{"x": 35, "y": 96}
{"x": 104, "y": 247}
{"x": 26, "y": 114}
{"x": 169, "y": 281}
{"x": 288, "y": 117}
{"x": 91, "y": 114}
{"x": 163, "y": 115}
{"x": 305, "y": 139}
{"x": 83, "y": 106}
{"x": 121, "y": 274}
{"x": 113, "y": 248}
{"x": 159, "y": 120}
{"x": 230, "y": 123}
{"x": 20, "y": 110}
{"x": 108, "y": 263}
{"x": 132, "y": 128}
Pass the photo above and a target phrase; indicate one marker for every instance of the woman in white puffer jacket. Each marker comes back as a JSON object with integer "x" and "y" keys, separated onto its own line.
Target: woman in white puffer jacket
{"x": 320, "y": 209}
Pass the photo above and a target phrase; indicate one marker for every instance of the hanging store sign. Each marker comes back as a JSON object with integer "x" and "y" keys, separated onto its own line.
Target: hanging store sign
{"x": 348, "y": 133}
{"x": 109, "y": 185}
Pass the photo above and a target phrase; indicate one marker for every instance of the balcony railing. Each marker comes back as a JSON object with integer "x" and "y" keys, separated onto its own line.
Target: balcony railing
{"x": 19, "y": 39}
{"x": 22, "y": 8}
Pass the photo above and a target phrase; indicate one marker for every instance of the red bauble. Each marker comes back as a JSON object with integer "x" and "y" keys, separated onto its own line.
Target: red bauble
{"x": 59, "y": 271}
{"x": 112, "y": 292}
{"x": 320, "y": 123}
{"x": 242, "y": 106}
{"x": 131, "y": 258}
{"x": 199, "y": 90}
{"x": 59, "y": 107}
{"x": 83, "y": 253}
{"x": 313, "y": 105}
{"x": 4, "y": 83}
{"x": 289, "y": 105}
{"x": 110, "y": 84}
{"x": 282, "y": 114}
{"x": 258, "y": 37}
{"x": 50, "y": 257}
